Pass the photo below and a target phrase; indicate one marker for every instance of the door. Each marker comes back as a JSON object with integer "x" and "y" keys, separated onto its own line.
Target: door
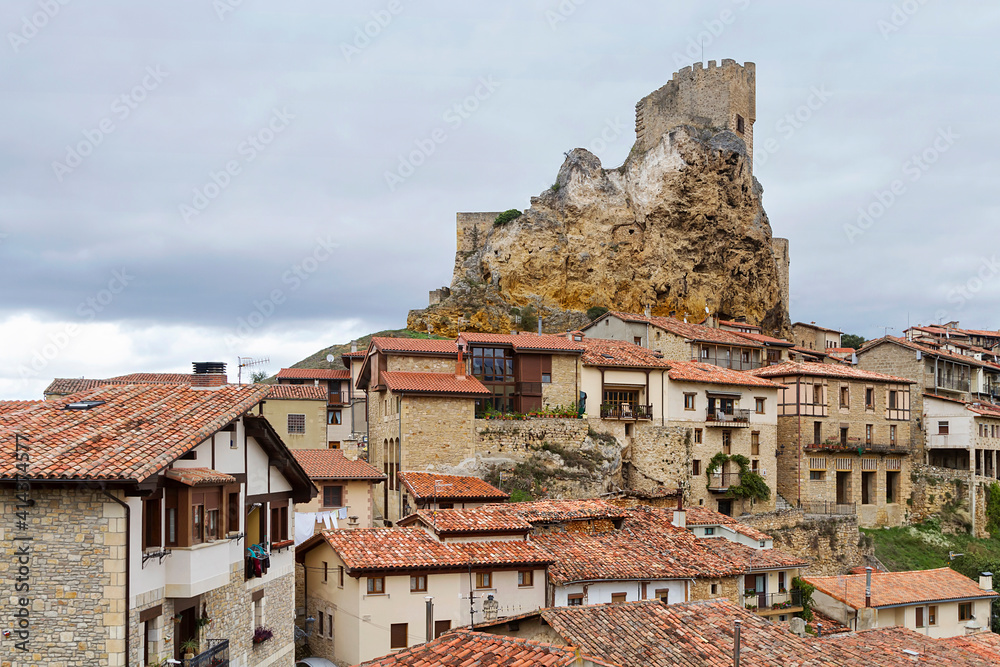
{"x": 186, "y": 629}
{"x": 726, "y": 507}
{"x": 761, "y": 587}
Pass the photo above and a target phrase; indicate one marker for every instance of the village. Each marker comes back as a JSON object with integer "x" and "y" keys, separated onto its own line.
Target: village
{"x": 647, "y": 487}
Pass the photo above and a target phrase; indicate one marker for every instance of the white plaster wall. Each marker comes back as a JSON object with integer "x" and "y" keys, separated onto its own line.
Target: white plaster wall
{"x": 601, "y": 592}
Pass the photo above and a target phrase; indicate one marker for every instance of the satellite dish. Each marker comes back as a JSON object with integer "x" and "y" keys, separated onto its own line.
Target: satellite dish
{"x": 706, "y": 310}
{"x": 330, "y": 358}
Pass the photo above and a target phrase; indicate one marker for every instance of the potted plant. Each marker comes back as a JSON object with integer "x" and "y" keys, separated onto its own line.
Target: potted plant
{"x": 262, "y": 634}
{"x": 202, "y": 622}
{"x": 190, "y": 648}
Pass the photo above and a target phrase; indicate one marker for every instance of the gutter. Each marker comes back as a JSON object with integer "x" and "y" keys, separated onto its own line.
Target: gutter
{"x": 128, "y": 558}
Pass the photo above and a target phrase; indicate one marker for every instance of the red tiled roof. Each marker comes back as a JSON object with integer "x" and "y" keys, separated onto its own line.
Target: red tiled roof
{"x": 304, "y": 392}
{"x": 696, "y": 332}
{"x": 354, "y": 355}
{"x": 900, "y": 646}
{"x": 432, "y": 383}
{"x": 699, "y": 515}
{"x": 731, "y": 323}
{"x": 314, "y": 374}
{"x": 429, "y": 485}
{"x": 698, "y": 371}
{"x": 138, "y": 430}
{"x": 524, "y": 341}
{"x": 604, "y": 352}
{"x": 818, "y": 328}
{"x": 985, "y": 645}
{"x": 413, "y": 548}
{"x": 432, "y": 346}
{"x": 152, "y": 378}
{"x": 898, "y": 588}
{"x": 11, "y": 406}
{"x": 64, "y": 386}
{"x": 485, "y": 519}
{"x": 925, "y": 349}
{"x": 332, "y": 464}
{"x": 792, "y": 368}
{"x": 984, "y": 409}
{"x": 767, "y": 340}
{"x": 466, "y": 648}
{"x": 750, "y": 558}
{"x": 558, "y": 511}
{"x": 199, "y": 476}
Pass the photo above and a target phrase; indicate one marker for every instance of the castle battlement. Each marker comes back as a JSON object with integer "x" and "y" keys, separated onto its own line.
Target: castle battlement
{"x": 717, "y": 96}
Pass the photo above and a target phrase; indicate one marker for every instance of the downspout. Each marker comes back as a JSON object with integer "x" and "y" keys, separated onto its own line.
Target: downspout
{"x": 798, "y": 411}
{"x": 128, "y": 555}
{"x": 663, "y": 399}
{"x": 399, "y": 458}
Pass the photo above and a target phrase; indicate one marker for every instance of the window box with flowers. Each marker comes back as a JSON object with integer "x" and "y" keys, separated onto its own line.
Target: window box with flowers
{"x": 262, "y": 634}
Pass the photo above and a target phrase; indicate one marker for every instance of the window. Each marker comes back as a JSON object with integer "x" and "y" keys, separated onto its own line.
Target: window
{"x": 321, "y": 623}
{"x": 172, "y": 526}
{"x": 279, "y": 523}
{"x": 441, "y": 627}
{"x": 546, "y": 379}
{"x": 920, "y": 616}
{"x": 296, "y": 423}
{"x": 755, "y": 466}
{"x": 942, "y": 428}
{"x": 618, "y": 597}
{"x": 340, "y": 576}
{"x": 710, "y": 530}
{"x": 326, "y": 571}
{"x": 740, "y": 124}
{"x": 869, "y": 398}
{"x": 727, "y": 442}
{"x": 964, "y": 611}
{"x": 418, "y": 583}
{"x": 333, "y": 496}
{"x": 868, "y": 488}
{"x": 333, "y": 444}
{"x": 781, "y": 581}
{"x": 233, "y": 507}
{"x": 818, "y": 394}
{"x": 376, "y": 585}
{"x": 932, "y": 615}
{"x": 845, "y": 397}
{"x": 715, "y": 589}
{"x": 334, "y": 417}
{"x": 843, "y": 436}
{"x": 397, "y": 635}
{"x": 689, "y": 401}
{"x": 575, "y": 600}
{"x": 704, "y": 353}
{"x": 197, "y": 524}
{"x": 868, "y": 434}
{"x": 151, "y": 525}
{"x": 697, "y": 436}
{"x": 892, "y": 399}
{"x": 662, "y": 594}
{"x": 755, "y": 443}
{"x": 892, "y": 435}
{"x": 525, "y": 578}
{"x": 696, "y": 467}
{"x": 758, "y": 405}
{"x": 637, "y": 340}
{"x": 212, "y": 524}
{"x": 484, "y": 580}
{"x": 817, "y": 475}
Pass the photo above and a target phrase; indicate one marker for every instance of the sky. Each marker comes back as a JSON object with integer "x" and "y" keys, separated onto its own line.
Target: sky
{"x": 208, "y": 179}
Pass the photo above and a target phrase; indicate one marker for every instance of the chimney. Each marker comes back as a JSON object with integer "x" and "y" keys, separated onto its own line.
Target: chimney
{"x": 736, "y": 643}
{"x": 868, "y": 587}
{"x": 209, "y": 375}
{"x": 460, "y": 364}
{"x": 539, "y": 326}
{"x": 680, "y": 516}
{"x": 354, "y": 346}
{"x": 647, "y": 311}
{"x": 986, "y": 581}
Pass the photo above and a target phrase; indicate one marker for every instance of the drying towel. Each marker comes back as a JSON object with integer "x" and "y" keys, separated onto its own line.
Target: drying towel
{"x": 305, "y": 522}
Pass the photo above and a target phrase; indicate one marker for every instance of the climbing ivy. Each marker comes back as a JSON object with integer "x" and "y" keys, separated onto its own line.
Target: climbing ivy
{"x": 993, "y": 509}
{"x": 751, "y": 485}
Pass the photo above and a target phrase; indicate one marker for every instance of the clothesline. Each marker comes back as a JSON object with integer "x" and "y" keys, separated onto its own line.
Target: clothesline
{"x": 305, "y": 522}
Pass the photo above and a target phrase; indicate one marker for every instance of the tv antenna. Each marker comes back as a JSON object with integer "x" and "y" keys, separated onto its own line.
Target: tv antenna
{"x": 248, "y": 362}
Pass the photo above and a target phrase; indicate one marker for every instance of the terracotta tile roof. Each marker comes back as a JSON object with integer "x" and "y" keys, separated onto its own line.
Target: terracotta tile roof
{"x": 558, "y": 511}
{"x": 64, "y": 386}
{"x": 925, "y": 349}
{"x": 432, "y": 346}
{"x": 413, "y": 548}
{"x": 751, "y": 559}
{"x": 314, "y": 374}
{"x": 357, "y": 354}
{"x": 901, "y": 646}
{"x": 984, "y": 409}
{"x": 696, "y": 332}
{"x": 731, "y": 323}
{"x": 697, "y": 371}
{"x": 792, "y": 368}
{"x": 152, "y": 378}
{"x": 830, "y": 625}
{"x": 332, "y": 464}
{"x": 841, "y": 350}
{"x": 817, "y": 328}
{"x": 898, "y": 588}
{"x": 304, "y": 392}
{"x": 138, "y": 430}
{"x": 984, "y": 645}
{"x": 466, "y": 648}
{"x": 703, "y": 516}
{"x": 524, "y": 341}
{"x": 485, "y": 519}
{"x": 429, "y": 485}
{"x": 11, "y": 406}
{"x": 819, "y": 354}
{"x": 432, "y": 383}
{"x": 604, "y": 352}
{"x": 199, "y": 476}
{"x": 766, "y": 340}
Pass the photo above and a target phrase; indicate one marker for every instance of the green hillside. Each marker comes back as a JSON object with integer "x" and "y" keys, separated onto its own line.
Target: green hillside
{"x": 318, "y": 359}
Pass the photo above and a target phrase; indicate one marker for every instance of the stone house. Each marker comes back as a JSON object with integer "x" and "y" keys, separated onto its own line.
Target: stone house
{"x": 623, "y": 385}
{"x": 357, "y": 414}
{"x": 298, "y": 414}
{"x": 434, "y": 491}
{"x": 724, "y": 413}
{"x": 343, "y": 484}
{"x": 139, "y": 503}
{"x": 814, "y": 337}
{"x": 843, "y": 440}
{"x": 939, "y": 603}
{"x": 336, "y": 383}
{"x": 368, "y": 589}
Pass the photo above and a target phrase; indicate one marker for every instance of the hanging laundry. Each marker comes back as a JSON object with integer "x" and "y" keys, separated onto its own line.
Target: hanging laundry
{"x": 342, "y": 513}
{"x": 305, "y": 526}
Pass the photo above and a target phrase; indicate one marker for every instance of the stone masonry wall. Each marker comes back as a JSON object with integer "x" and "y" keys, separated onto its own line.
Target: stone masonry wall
{"x": 895, "y": 360}
{"x": 832, "y": 545}
{"x": 437, "y": 431}
{"x": 944, "y": 493}
{"x": 564, "y": 388}
{"x": 421, "y": 364}
{"x": 660, "y": 456}
{"x": 727, "y": 587}
{"x": 76, "y": 576}
{"x": 515, "y": 439}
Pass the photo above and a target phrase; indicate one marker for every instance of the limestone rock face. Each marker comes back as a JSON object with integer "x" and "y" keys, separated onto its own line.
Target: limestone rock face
{"x": 677, "y": 228}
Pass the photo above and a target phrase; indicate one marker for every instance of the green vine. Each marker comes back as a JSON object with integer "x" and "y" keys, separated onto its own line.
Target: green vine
{"x": 751, "y": 485}
{"x": 993, "y": 509}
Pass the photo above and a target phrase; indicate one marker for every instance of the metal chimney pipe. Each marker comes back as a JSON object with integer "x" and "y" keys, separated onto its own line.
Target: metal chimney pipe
{"x": 539, "y": 326}
{"x": 868, "y": 587}
{"x": 430, "y": 617}
{"x": 736, "y": 644}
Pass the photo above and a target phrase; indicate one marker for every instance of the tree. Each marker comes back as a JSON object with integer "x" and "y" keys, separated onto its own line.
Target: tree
{"x": 258, "y": 376}
{"x": 595, "y": 312}
{"x": 529, "y": 319}
{"x": 850, "y": 340}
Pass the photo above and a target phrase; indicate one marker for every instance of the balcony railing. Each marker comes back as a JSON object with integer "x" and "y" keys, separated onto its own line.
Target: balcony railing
{"x": 828, "y": 507}
{"x": 853, "y": 446}
{"x": 339, "y": 398}
{"x": 952, "y": 385}
{"x": 626, "y": 411}
{"x": 734, "y": 364}
{"x": 776, "y": 603}
{"x": 721, "y": 481}
{"x": 720, "y": 417}
{"x": 217, "y": 655}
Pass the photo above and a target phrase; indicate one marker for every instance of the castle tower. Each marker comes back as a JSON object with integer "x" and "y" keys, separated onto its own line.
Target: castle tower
{"x": 716, "y": 97}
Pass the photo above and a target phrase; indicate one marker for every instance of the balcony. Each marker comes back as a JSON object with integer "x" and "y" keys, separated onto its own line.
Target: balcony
{"x": 194, "y": 570}
{"x": 953, "y": 385}
{"x": 856, "y": 446}
{"x": 730, "y": 419}
{"x": 775, "y": 603}
{"x": 829, "y": 508}
{"x": 626, "y": 411}
{"x": 339, "y": 398}
{"x": 734, "y": 364}
{"x": 217, "y": 655}
{"x": 721, "y": 481}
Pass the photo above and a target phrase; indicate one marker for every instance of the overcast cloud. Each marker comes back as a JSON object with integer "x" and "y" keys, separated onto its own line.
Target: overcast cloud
{"x": 203, "y": 179}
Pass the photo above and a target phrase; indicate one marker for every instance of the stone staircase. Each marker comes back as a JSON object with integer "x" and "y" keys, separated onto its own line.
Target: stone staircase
{"x": 781, "y": 504}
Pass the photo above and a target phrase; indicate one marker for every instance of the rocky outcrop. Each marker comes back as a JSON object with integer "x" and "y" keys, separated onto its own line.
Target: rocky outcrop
{"x": 677, "y": 229}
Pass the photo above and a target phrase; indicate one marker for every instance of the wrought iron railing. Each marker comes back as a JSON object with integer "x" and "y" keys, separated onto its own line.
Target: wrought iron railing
{"x": 626, "y": 411}
{"x": 734, "y": 364}
{"x": 735, "y": 417}
{"x": 765, "y": 602}
{"x": 855, "y": 447}
{"x": 217, "y": 655}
